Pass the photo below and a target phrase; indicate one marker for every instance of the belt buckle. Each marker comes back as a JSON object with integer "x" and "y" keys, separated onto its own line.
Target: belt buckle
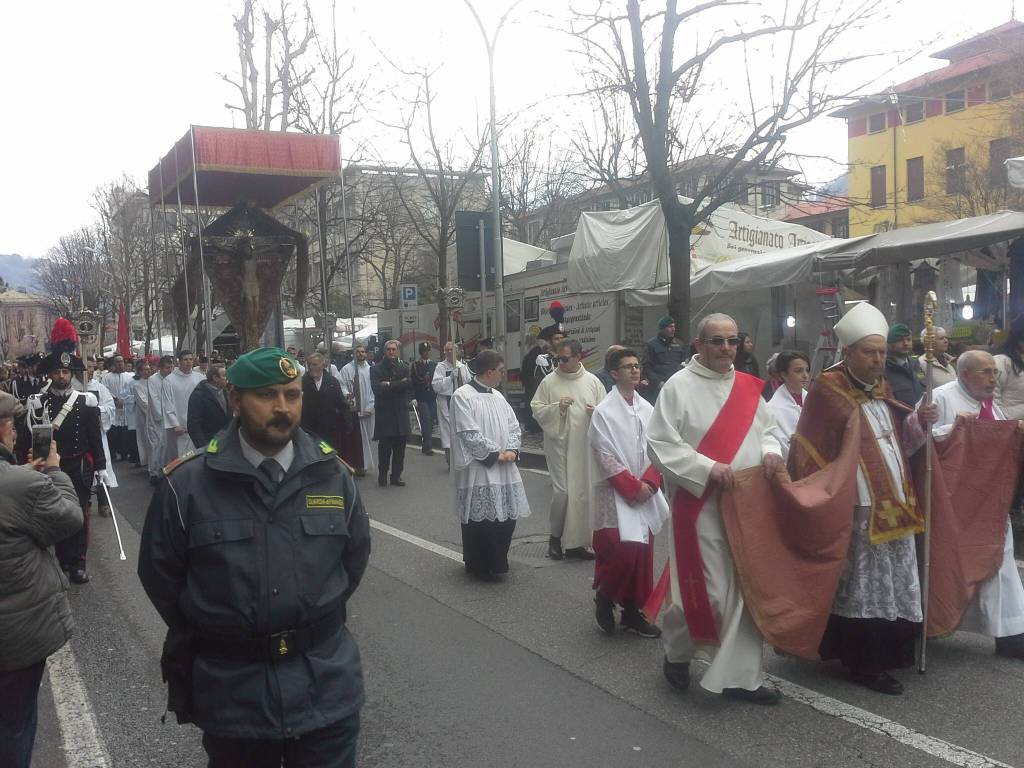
{"x": 282, "y": 644}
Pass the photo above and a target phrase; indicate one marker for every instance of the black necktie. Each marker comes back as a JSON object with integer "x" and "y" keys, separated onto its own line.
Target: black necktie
{"x": 271, "y": 470}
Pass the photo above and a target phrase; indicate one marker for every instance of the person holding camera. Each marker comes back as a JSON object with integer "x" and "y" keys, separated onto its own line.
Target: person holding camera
{"x": 38, "y": 508}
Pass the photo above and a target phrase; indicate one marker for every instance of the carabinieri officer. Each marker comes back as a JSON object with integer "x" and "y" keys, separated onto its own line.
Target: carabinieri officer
{"x": 251, "y": 548}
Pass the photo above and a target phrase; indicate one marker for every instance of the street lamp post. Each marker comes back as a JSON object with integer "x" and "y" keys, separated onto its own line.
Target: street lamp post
{"x": 490, "y": 43}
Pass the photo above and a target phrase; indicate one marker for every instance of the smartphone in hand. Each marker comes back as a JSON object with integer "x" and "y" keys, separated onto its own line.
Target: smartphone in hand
{"x": 42, "y": 439}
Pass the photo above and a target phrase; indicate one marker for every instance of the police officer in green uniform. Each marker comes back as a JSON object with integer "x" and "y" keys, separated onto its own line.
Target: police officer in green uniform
{"x": 251, "y": 549}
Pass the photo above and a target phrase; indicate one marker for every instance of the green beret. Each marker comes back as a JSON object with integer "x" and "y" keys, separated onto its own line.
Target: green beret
{"x": 897, "y": 332}
{"x": 263, "y": 367}
{"x": 665, "y": 322}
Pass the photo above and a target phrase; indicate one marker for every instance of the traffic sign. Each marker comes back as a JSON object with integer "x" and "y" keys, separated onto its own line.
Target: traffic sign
{"x": 410, "y": 318}
{"x": 409, "y": 294}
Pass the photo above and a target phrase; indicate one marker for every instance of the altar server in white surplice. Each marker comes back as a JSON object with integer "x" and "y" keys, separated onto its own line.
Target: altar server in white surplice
{"x": 155, "y": 418}
{"x": 627, "y": 506}
{"x": 710, "y": 420}
{"x": 788, "y": 401}
{"x": 175, "y": 390}
{"x": 998, "y": 608}
{"x": 140, "y": 395}
{"x": 489, "y": 493}
{"x": 449, "y": 374}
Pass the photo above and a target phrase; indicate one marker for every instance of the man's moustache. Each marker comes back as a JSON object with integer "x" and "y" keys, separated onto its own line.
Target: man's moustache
{"x": 280, "y": 421}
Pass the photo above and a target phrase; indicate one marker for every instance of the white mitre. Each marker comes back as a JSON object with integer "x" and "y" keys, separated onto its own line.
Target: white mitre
{"x": 861, "y": 321}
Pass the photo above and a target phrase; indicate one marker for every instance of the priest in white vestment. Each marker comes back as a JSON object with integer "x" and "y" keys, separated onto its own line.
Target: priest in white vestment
{"x": 627, "y": 505}
{"x": 175, "y": 390}
{"x": 708, "y": 620}
{"x": 119, "y": 382}
{"x": 794, "y": 370}
{"x": 997, "y": 610}
{"x": 489, "y": 492}
{"x": 355, "y": 386}
{"x": 155, "y": 418}
{"x": 562, "y": 406}
{"x": 140, "y": 398}
{"x": 107, "y": 413}
{"x": 449, "y": 374}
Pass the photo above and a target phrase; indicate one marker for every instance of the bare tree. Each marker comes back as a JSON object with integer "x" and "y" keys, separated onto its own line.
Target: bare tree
{"x": 267, "y": 89}
{"x": 447, "y": 180}
{"x": 539, "y": 183}
{"x": 606, "y": 141}
{"x": 632, "y": 51}
{"x": 68, "y": 274}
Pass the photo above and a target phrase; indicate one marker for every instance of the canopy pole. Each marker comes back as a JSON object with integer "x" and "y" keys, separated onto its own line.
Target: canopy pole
{"x": 184, "y": 254}
{"x": 320, "y": 195}
{"x": 207, "y": 310}
{"x": 348, "y": 254}
{"x": 156, "y": 287}
{"x": 163, "y": 240}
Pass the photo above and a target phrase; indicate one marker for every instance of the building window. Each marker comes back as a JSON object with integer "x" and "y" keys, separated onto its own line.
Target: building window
{"x": 841, "y": 226}
{"x": 769, "y": 194}
{"x": 876, "y": 123}
{"x": 955, "y": 101}
{"x": 955, "y": 166}
{"x": 878, "y": 195}
{"x": 915, "y": 178}
{"x": 513, "y": 315}
{"x": 999, "y": 150}
{"x": 914, "y": 112}
{"x": 998, "y": 90}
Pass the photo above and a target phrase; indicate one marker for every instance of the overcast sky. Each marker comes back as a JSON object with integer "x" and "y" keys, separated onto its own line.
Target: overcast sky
{"x": 92, "y": 90}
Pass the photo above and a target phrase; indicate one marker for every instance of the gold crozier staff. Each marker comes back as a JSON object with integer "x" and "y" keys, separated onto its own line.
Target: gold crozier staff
{"x": 930, "y": 303}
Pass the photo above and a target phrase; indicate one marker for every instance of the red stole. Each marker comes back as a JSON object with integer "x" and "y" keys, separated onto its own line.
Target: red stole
{"x": 721, "y": 443}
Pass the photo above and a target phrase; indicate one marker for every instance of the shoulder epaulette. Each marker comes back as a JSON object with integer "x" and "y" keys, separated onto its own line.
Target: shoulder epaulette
{"x": 325, "y": 448}
{"x": 182, "y": 459}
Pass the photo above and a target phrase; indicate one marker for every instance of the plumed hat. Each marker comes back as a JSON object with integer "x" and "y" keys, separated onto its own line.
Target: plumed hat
{"x": 63, "y": 345}
{"x": 557, "y": 312}
{"x": 861, "y": 321}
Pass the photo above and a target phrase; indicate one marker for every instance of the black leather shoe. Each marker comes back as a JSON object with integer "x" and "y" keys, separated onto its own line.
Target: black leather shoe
{"x": 382, "y": 480}
{"x": 677, "y": 673}
{"x": 633, "y": 620}
{"x": 881, "y": 683}
{"x": 398, "y": 481}
{"x": 579, "y": 553}
{"x": 604, "y": 612}
{"x": 1011, "y": 647}
{"x": 555, "y": 547}
{"x": 764, "y": 695}
{"x": 79, "y": 576}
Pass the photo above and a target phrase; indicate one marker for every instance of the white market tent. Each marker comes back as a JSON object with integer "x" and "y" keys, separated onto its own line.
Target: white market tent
{"x": 1015, "y": 172}
{"x": 515, "y": 255}
{"x": 628, "y": 249}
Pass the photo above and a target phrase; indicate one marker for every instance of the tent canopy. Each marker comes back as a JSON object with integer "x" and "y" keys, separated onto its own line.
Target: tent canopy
{"x": 1015, "y": 172}
{"x": 233, "y": 166}
{"x": 926, "y": 241}
{"x": 628, "y": 249}
{"x": 515, "y": 255}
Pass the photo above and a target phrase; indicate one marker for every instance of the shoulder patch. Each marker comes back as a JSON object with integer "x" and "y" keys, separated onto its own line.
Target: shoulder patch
{"x": 325, "y": 448}
{"x": 181, "y": 460}
{"x": 211, "y": 447}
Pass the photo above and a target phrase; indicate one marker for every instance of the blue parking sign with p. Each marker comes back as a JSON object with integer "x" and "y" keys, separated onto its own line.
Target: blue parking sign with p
{"x": 409, "y": 293}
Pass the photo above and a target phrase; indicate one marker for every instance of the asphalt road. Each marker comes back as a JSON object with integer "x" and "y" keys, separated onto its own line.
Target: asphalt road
{"x": 462, "y": 673}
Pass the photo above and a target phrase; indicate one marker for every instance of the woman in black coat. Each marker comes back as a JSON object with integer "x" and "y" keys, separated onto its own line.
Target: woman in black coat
{"x": 324, "y": 410}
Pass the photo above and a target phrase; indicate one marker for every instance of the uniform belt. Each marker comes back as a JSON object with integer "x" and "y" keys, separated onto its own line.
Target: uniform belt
{"x": 273, "y": 647}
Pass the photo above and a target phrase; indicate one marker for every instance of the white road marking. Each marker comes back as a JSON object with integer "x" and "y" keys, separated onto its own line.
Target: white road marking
{"x": 951, "y": 753}
{"x": 82, "y": 742}
{"x": 535, "y": 471}
{"x": 430, "y": 546}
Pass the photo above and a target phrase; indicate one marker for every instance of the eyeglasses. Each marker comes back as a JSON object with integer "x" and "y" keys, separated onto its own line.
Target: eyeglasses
{"x": 630, "y": 367}
{"x": 563, "y": 360}
{"x": 718, "y": 341}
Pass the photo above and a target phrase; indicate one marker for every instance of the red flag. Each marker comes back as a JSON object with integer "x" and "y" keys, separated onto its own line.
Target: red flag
{"x": 124, "y": 344}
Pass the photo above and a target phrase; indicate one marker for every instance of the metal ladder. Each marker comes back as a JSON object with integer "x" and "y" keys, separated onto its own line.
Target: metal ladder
{"x": 826, "y": 353}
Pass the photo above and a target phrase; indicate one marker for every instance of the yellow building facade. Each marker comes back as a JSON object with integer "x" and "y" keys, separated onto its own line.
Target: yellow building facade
{"x": 932, "y": 148}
